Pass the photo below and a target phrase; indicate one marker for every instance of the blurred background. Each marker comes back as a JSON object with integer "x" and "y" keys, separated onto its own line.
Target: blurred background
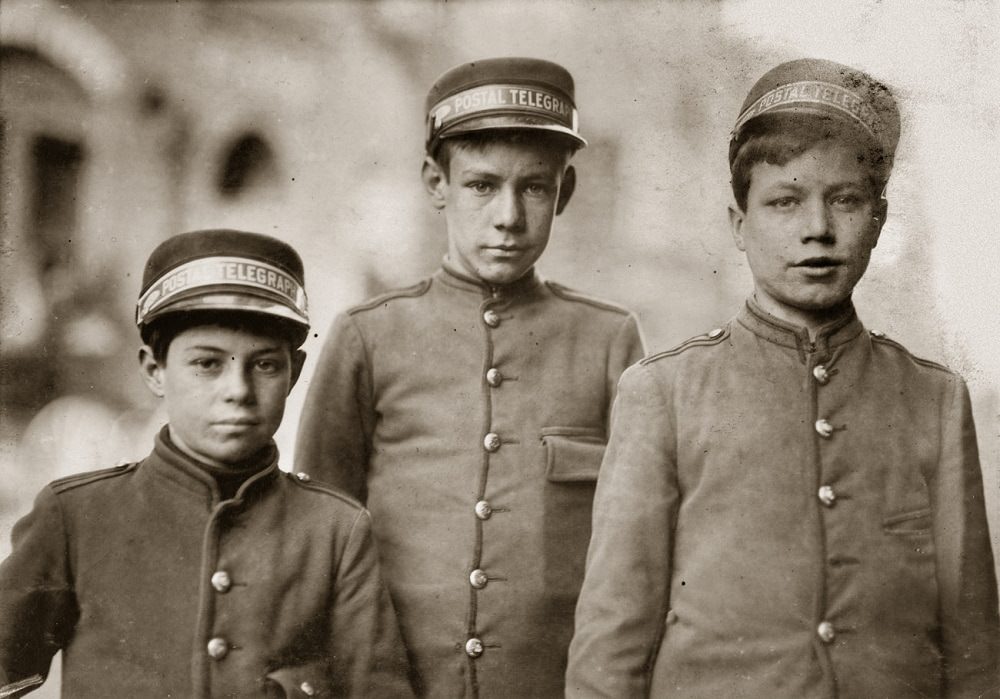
{"x": 122, "y": 123}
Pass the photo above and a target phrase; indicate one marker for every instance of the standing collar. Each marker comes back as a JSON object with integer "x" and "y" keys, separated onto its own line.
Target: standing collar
{"x": 169, "y": 462}
{"x": 838, "y": 331}
{"x": 454, "y": 276}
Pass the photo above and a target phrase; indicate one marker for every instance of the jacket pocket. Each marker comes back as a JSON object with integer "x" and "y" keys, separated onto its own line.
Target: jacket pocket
{"x": 299, "y": 682}
{"x": 573, "y": 454}
{"x": 912, "y": 522}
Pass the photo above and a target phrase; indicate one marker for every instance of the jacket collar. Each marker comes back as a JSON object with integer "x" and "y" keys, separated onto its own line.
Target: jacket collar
{"x": 838, "y": 331}
{"x": 452, "y": 275}
{"x": 166, "y": 461}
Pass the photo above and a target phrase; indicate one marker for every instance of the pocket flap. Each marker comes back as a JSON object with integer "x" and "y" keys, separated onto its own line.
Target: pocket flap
{"x": 914, "y": 522}
{"x": 573, "y": 455}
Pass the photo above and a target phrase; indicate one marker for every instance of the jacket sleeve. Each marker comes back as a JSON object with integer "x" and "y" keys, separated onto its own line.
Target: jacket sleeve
{"x": 368, "y": 655}
{"x": 38, "y": 609}
{"x": 335, "y": 430}
{"x": 623, "y": 603}
{"x": 626, "y": 349}
{"x": 970, "y": 630}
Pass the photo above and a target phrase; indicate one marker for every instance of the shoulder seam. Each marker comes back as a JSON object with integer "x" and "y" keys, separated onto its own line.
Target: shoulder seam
{"x": 919, "y": 360}
{"x": 75, "y": 481}
{"x": 568, "y": 294}
{"x": 418, "y": 289}
{"x": 697, "y": 341}
{"x": 313, "y": 485}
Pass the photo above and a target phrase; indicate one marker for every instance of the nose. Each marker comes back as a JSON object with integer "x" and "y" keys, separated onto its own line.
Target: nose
{"x": 508, "y": 210}
{"x": 817, "y": 225}
{"x": 237, "y": 384}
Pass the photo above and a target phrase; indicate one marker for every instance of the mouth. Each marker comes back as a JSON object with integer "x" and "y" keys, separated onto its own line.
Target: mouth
{"x": 237, "y": 422}
{"x": 818, "y": 262}
{"x": 505, "y": 250}
{"x": 818, "y": 266}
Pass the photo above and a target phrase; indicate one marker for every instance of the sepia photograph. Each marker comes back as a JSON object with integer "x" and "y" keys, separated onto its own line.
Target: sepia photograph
{"x": 499, "y": 348}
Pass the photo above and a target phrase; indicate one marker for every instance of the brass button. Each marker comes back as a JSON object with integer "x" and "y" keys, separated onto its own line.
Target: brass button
{"x": 826, "y": 632}
{"x": 491, "y": 318}
{"x": 303, "y": 476}
{"x": 715, "y": 332}
{"x": 473, "y": 647}
{"x": 218, "y": 648}
{"x": 827, "y": 496}
{"x": 491, "y": 442}
{"x": 478, "y": 579}
{"x": 821, "y": 374}
{"x": 483, "y": 510}
{"x": 308, "y": 689}
{"x": 221, "y": 581}
{"x": 494, "y": 378}
{"x": 824, "y": 428}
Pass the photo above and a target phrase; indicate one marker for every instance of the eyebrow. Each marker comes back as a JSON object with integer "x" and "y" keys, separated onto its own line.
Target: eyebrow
{"x": 795, "y": 186}
{"x": 211, "y": 348}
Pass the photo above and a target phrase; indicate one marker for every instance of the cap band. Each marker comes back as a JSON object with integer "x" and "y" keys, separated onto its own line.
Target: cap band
{"x": 809, "y": 92}
{"x": 229, "y": 271}
{"x": 501, "y": 98}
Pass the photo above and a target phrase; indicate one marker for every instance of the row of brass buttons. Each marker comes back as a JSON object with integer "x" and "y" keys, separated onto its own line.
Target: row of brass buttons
{"x": 491, "y": 442}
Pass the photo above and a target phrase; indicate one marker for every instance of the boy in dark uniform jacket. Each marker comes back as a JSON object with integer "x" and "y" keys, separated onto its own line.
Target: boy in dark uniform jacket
{"x": 791, "y": 505}
{"x": 204, "y": 570}
{"x": 470, "y": 410}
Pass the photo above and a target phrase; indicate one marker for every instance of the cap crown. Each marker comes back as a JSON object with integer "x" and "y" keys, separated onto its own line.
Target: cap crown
{"x": 223, "y": 270}
{"x": 502, "y": 93}
{"x": 820, "y": 88}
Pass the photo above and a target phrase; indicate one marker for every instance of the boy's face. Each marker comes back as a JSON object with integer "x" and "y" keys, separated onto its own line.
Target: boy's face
{"x": 808, "y": 230}
{"x": 499, "y": 201}
{"x": 224, "y": 390}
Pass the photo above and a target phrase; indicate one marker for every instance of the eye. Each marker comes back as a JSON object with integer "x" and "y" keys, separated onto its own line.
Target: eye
{"x": 847, "y": 202}
{"x": 536, "y": 189}
{"x": 268, "y": 366}
{"x": 206, "y": 364}
{"x": 783, "y": 202}
{"x": 480, "y": 187}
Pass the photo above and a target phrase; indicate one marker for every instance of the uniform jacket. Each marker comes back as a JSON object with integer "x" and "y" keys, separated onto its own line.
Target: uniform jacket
{"x": 153, "y": 587}
{"x": 777, "y": 518}
{"x": 473, "y": 422}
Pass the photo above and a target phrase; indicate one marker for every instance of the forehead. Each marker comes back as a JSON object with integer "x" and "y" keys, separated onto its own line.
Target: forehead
{"x": 228, "y": 339}
{"x": 535, "y": 155}
{"x": 827, "y": 162}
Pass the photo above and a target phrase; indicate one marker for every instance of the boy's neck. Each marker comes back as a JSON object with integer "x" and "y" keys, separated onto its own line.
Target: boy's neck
{"x": 812, "y": 320}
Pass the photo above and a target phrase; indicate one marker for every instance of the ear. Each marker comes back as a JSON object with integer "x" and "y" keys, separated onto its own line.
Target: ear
{"x": 298, "y": 360}
{"x": 736, "y": 218}
{"x": 881, "y": 210}
{"x": 151, "y": 371}
{"x": 566, "y": 189}
{"x": 435, "y": 182}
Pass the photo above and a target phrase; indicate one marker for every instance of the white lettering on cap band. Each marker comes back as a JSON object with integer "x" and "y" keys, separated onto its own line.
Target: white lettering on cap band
{"x": 817, "y": 93}
{"x": 222, "y": 271}
{"x": 503, "y": 98}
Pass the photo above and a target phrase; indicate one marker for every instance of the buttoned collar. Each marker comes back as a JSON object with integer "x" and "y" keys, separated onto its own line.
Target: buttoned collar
{"x": 838, "y": 331}
{"x": 455, "y": 277}
{"x": 168, "y": 462}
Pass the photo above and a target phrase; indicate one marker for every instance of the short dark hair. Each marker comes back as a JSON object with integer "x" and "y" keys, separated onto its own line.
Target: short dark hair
{"x": 776, "y": 139}
{"x": 163, "y": 330}
{"x": 479, "y": 140}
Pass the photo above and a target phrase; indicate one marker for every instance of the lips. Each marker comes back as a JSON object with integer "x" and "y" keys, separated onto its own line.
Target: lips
{"x": 237, "y": 422}
{"x": 818, "y": 263}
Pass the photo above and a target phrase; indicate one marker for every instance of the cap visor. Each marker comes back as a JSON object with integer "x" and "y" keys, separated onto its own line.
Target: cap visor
{"x": 518, "y": 122}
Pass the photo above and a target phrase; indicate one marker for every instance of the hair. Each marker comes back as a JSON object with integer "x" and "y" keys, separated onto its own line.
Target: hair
{"x": 778, "y": 138}
{"x": 480, "y": 140}
{"x": 163, "y": 330}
